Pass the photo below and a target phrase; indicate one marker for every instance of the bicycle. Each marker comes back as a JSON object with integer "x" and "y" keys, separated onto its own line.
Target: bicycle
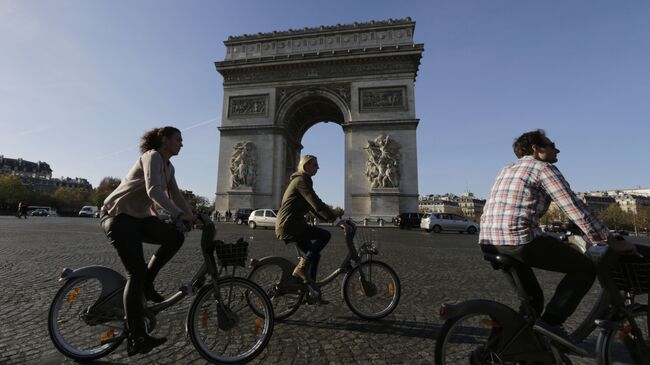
{"x": 487, "y": 332}
{"x": 370, "y": 288}
{"x": 230, "y": 320}
{"x": 624, "y": 337}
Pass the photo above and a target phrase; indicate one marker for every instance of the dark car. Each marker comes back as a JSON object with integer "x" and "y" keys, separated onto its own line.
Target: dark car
{"x": 241, "y": 215}
{"x": 408, "y": 220}
{"x": 40, "y": 213}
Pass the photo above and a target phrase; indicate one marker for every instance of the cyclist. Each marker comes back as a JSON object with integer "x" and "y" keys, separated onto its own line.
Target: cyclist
{"x": 291, "y": 224}
{"x": 521, "y": 195}
{"x": 128, "y": 219}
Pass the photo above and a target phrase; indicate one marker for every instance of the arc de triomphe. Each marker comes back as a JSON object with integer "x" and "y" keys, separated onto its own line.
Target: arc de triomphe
{"x": 277, "y": 85}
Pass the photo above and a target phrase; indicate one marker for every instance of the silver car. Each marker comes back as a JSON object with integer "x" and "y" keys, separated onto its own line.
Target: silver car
{"x": 438, "y": 222}
{"x": 262, "y": 218}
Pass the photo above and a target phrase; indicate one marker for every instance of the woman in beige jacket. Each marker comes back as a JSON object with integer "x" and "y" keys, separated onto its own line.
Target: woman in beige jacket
{"x": 128, "y": 218}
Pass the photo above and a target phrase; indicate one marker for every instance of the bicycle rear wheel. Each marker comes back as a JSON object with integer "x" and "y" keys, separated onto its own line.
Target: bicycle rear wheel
{"x": 468, "y": 339}
{"x": 281, "y": 287}
{"x": 612, "y": 346}
{"x": 371, "y": 290}
{"x": 75, "y": 330}
{"x": 224, "y": 328}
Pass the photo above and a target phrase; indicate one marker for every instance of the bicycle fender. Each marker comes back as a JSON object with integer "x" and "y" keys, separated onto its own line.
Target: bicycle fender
{"x": 498, "y": 311}
{"x": 110, "y": 279}
{"x": 286, "y": 264}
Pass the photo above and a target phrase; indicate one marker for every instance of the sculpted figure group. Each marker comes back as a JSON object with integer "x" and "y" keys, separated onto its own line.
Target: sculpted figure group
{"x": 242, "y": 165}
{"x": 382, "y": 167}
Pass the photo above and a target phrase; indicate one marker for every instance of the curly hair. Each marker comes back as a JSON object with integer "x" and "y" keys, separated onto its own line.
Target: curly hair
{"x": 523, "y": 145}
{"x": 152, "y": 139}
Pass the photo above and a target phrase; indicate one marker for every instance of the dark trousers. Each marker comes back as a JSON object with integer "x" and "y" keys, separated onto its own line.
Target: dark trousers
{"x": 126, "y": 234}
{"x": 549, "y": 253}
{"x": 311, "y": 243}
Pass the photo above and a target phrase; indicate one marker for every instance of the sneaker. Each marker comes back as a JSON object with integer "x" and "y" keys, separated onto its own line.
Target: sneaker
{"x": 559, "y": 335}
{"x": 143, "y": 344}
{"x": 319, "y": 300}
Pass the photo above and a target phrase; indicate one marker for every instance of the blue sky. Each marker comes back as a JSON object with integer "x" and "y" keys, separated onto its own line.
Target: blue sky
{"x": 80, "y": 81}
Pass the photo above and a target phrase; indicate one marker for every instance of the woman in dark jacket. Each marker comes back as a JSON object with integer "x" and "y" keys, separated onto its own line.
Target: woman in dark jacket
{"x": 291, "y": 224}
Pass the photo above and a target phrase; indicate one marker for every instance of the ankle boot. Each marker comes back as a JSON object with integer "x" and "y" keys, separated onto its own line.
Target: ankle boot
{"x": 302, "y": 269}
{"x": 139, "y": 342}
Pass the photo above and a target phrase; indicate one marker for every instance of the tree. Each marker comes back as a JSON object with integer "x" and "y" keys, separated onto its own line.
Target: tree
{"x": 613, "y": 216}
{"x": 338, "y": 211}
{"x": 200, "y": 204}
{"x": 552, "y": 215}
{"x": 12, "y": 191}
{"x": 70, "y": 200}
{"x": 106, "y": 186}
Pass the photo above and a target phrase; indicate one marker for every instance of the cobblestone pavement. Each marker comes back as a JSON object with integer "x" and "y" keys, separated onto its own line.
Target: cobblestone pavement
{"x": 433, "y": 268}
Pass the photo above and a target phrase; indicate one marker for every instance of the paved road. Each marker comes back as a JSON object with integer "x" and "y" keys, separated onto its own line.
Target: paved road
{"x": 433, "y": 268}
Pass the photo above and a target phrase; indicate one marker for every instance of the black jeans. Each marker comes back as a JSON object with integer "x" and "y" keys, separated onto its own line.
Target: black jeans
{"x": 549, "y": 253}
{"x": 311, "y": 243}
{"x": 126, "y": 234}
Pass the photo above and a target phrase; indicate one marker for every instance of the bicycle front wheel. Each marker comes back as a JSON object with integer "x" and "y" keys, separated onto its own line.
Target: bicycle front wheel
{"x": 224, "y": 327}
{"x": 618, "y": 346}
{"x": 371, "y": 290}
{"x": 76, "y": 331}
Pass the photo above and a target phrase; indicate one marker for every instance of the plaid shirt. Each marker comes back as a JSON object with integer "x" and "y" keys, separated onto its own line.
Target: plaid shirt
{"x": 521, "y": 194}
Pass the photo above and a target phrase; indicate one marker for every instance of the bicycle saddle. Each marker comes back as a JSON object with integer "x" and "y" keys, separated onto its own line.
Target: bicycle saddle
{"x": 502, "y": 262}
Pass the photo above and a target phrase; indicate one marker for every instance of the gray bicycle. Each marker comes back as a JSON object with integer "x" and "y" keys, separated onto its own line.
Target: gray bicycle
{"x": 370, "y": 288}
{"x": 230, "y": 320}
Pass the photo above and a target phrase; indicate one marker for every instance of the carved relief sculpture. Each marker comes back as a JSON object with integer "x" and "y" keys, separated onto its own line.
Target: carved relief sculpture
{"x": 382, "y": 99}
{"x": 382, "y": 166}
{"x": 248, "y": 106}
{"x": 243, "y": 165}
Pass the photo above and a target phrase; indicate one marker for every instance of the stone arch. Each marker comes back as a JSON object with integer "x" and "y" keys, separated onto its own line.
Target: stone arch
{"x": 278, "y": 85}
{"x": 301, "y": 111}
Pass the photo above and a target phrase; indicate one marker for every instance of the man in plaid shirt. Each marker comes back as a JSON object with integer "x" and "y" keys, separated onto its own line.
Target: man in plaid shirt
{"x": 520, "y": 195}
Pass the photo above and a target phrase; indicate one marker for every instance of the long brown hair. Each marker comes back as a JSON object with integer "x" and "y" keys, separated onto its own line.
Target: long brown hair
{"x": 152, "y": 139}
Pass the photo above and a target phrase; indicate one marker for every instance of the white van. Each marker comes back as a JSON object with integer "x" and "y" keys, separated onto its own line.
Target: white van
{"x": 88, "y": 211}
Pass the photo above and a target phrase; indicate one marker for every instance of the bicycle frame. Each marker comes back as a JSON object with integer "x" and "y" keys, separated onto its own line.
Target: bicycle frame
{"x": 518, "y": 340}
{"x": 109, "y": 304}
{"x": 352, "y": 260}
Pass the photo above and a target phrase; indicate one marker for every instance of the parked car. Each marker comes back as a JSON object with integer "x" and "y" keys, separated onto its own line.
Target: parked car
{"x": 40, "y": 213}
{"x": 88, "y": 211}
{"x": 241, "y": 215}
{"x": 262, "y": 218}
{"x": 438, "y": 222}
{"x": 407, "y": 220}
{"x": 621, "y": 232}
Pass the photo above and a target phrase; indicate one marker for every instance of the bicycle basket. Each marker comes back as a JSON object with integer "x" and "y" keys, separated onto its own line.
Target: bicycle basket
{"x": 632, "y": 274}
{"x": 367, "y": 241}
{"x": 232, "y": 254}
